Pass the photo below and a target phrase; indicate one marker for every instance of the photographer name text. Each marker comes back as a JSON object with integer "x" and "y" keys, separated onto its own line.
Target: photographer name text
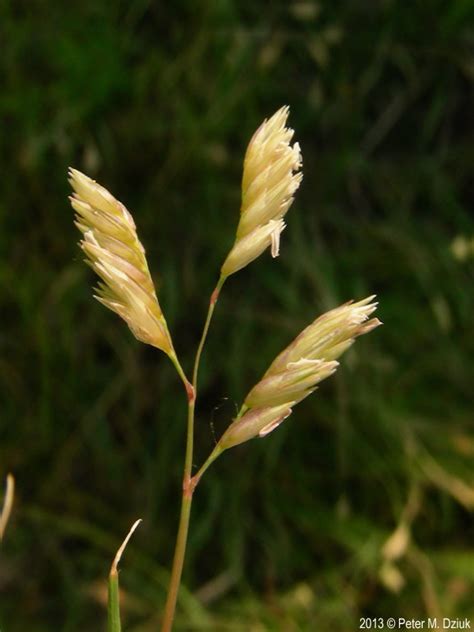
{"x": 400, "y": 623}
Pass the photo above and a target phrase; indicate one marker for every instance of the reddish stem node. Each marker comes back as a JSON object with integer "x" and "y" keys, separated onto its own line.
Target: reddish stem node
{"x": 214, "y": 296}
{"x": 191, "y": 393}
{"x": 189, "y": 485}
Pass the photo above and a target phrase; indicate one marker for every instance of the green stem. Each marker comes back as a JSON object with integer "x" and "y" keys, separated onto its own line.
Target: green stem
{"x": 214, "y": 454}
{"x": 182, "y": 536}
{"x": 187, "y": 385}
{"x": 210, "y": 459}
{"x": 189, "y": 483}
{"x": 212, "y": 305}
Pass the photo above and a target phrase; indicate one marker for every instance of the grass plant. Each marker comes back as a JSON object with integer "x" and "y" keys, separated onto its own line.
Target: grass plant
{"x": 271, "y": 175}
{"x": 158, "y": 102}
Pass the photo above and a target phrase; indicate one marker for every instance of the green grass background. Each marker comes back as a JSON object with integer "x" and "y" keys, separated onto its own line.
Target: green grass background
{"x": 157, "y": 101}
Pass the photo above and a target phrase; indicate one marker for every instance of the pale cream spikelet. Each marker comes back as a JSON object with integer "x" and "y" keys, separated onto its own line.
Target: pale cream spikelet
{"x": 311, "y": 357}
{"x": 330, "y": 335}
{"x": 270, "y": 179}
{"x": 297, "y": 371}
{"x": 115, "y": 253}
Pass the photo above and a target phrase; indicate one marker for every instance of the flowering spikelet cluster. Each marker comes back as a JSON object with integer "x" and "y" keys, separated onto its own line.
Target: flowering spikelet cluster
{"x": 295, "y": 373}
{"x": 115, "y": 253}
{"x": 271, "y": 177}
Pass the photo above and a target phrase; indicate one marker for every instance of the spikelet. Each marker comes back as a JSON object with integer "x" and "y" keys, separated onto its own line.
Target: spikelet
{"x": 295, "y": 373}
{"x": 311, "y": 357}
{"x": 271, "y": 177}
{"x": 329, "y": 335}
{"x": 115, "y": 253}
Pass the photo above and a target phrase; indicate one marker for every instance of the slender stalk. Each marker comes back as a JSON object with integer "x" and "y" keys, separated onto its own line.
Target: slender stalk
{"x": 211, "y": 458}
{"x": 187, "y": 385}
{"x": 189, "y": 483}
{"x": 182, "y": 536}
{"x": 212, "y": 305}
{"x": 214, "y": 454}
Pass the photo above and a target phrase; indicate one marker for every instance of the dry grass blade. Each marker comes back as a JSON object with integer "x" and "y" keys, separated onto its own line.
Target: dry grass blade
{"x": 7, "y": 505}
{"x": 118, "y": 555}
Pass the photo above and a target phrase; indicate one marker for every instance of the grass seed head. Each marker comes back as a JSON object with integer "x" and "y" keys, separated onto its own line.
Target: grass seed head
{"x": 270, "y": 179}
{"x": 311, "y": 357}
{"x": 330, "y": 335}
{"x": 115, "y": 253}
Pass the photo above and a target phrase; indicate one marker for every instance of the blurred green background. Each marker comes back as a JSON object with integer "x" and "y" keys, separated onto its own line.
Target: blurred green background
{"x": 157, "y": 101}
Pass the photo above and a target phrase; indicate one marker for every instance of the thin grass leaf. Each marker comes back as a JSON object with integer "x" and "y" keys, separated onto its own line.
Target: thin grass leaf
{"x": 113, "y": 606}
